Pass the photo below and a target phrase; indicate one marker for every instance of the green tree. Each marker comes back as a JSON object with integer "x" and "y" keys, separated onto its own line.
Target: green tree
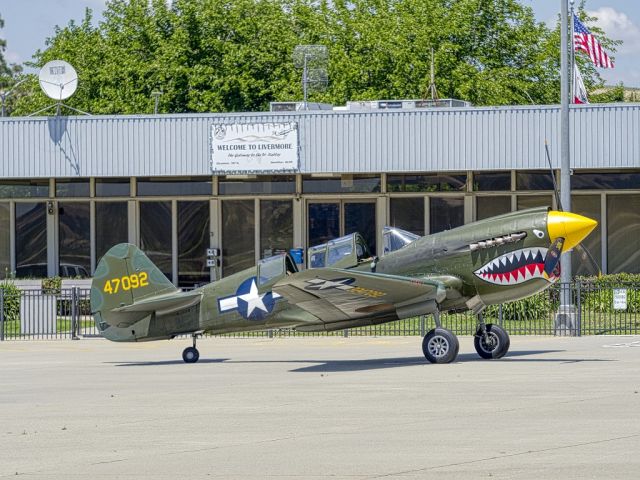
{"x": 5, "y": 71}
{"x": 217, "y": 55}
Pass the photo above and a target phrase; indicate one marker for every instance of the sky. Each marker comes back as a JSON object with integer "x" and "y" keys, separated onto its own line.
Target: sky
{"x": 28, "y": 23}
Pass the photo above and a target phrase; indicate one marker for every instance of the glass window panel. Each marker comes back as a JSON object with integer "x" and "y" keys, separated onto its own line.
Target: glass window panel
{"x": 533, "y": 201}
{"x": 270, "y": 269}
{"x": 5, "y": 245}
{"x": 317, "y": 256}
{"x": 426, "y": 183}
{"x": 445, "y": 213}
{"x": 112, "y": 226}
{"x": 24, "y": 188}
{"x": 74, "y": 240}
{"x": 623, "y": 233}
{"x": 264, "y": 184}
{"x": 487, "y": 207}
{"x": 324, "y": 222}
{"x": 238, "y": 235}
{"x": 175, "y": 187}
{"x": 73, "y": 188}
{"x": 492, "y": 181}
{"x": 113, "y": 187}
{"x": 31, "y": 240}
{"x": 361, "y": 217}
{"x": 338, "y": 249}
{"x": 344, "y": 184}
{"x": 276, "y": 227}
{"x": 408, "y": 214}
{"x": 155, "y": 234}
{"x": 537, "y": 180}
{"x": 589, "y": 206}
{"x": 605, "y": 181}
{"x": 193, "y": 241}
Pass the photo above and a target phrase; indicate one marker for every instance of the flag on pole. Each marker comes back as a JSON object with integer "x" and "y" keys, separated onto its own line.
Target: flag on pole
{"x": 579, "y": 91}
{"x": 585, "y": 41}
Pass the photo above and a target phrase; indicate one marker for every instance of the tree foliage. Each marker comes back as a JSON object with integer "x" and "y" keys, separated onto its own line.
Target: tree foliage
{"x": 220, "y": 55}
{"x": 5, "y": 72}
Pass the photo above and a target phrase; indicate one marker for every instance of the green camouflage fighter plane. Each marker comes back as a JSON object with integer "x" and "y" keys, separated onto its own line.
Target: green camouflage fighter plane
{"x": 488, "y": 262}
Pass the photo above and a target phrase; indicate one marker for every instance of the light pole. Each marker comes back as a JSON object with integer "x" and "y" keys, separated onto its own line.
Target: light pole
{"x": 4, "y": 95}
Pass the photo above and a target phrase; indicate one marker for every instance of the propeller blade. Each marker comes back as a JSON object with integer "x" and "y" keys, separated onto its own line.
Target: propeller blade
{"x": 552, "y": 260}
{"x": 586, "y": 254}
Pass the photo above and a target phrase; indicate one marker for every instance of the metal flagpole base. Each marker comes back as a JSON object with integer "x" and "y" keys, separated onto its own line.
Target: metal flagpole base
{"x": 566, "y": 321}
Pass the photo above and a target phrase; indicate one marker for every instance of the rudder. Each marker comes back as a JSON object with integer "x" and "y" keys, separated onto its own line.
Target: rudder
{"x": 123, "y": 276}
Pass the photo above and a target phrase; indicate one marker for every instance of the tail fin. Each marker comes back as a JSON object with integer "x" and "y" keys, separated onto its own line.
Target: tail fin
{"x": 124, "y": 276}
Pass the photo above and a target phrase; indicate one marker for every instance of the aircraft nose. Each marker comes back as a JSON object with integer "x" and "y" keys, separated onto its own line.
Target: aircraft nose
{"x": 571, "y": 226}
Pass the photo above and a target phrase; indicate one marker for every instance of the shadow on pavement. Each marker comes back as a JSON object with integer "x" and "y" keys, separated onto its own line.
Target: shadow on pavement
{"x": 374, "y": 363}
{"x": 164, "y": 362}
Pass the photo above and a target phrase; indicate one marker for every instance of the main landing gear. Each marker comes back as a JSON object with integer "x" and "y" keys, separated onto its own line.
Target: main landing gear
{"x": 491, "y": 340}
{"x": 191, "y": 354}
{"x": 441, "y": 345}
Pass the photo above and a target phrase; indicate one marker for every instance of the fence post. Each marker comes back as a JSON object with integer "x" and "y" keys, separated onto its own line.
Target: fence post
{"x": 345, "y": 333}
{"x": 423, "y": 326}
{"x": 1, "y": 314}
{"x": 500, "y": 315}
{"x": 579, "y": 306}
{"x": 74, "y": 313}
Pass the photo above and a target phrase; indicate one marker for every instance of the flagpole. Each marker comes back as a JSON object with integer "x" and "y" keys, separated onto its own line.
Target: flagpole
{"x": 572, "y": 54}
{"x": 565, "y": 320}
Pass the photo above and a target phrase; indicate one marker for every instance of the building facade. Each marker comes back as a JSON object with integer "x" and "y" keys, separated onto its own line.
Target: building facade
{"x": 71, "y": 187}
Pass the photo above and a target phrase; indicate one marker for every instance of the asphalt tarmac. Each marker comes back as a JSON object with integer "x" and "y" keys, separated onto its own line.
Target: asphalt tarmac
{"x": 318, "y": 408}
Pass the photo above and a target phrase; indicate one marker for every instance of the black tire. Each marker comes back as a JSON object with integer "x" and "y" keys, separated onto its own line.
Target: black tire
{"x": 190, "y": 355}
{"x": 440, "y": 346}
{"x": 497, "y": 345}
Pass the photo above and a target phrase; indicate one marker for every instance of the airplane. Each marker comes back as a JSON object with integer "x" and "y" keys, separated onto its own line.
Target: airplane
{"x": 488, "y": 262}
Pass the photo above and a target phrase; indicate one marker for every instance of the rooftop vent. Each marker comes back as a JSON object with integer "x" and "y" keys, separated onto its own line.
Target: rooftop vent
{"x": 298, "y": 106}
{"x": 406, "y": 104}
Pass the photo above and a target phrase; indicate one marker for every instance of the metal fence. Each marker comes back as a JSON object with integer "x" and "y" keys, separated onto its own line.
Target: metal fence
{"x": 600, "y": 308}
{"x": 45, "y": 314}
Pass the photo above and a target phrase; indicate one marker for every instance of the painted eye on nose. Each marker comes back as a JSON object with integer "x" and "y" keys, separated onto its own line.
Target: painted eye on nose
{"x": 538, "y": 233}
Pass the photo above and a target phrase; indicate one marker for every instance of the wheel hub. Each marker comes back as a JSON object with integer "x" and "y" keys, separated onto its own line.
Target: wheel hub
{"x": 489, "y": 342}
{"x": 438, "y": 346}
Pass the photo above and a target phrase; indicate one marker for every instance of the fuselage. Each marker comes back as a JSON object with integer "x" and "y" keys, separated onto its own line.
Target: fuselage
{"x": 511, "y": 248}
{"x": 492, "y": 261}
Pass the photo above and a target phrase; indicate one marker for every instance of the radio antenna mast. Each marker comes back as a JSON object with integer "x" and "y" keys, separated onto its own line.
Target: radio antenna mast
{"x": 312, "y": 59}
{"x": 431, "y": 89}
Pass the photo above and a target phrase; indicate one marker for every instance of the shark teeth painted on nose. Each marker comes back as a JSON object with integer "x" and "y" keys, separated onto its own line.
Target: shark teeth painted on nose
{"x": 515, "y": 267}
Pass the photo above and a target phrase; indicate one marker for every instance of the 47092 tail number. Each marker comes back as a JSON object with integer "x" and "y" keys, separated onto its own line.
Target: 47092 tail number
{"x": 128, "y": 282}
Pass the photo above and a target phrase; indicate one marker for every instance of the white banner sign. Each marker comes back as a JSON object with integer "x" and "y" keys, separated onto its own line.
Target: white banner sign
{"x": 254, "y": 147}
{"x": 619, "y": 298}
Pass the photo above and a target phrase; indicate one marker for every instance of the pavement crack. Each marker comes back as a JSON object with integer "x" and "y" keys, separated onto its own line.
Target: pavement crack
{"x": 508, "y": 455}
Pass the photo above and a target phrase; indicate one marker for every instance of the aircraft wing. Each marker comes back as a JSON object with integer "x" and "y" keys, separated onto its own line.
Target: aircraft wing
{"x": 335, "y": 294}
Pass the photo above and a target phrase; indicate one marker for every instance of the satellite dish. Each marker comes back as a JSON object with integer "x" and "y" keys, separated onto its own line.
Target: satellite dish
{"x": 58, "y": 80}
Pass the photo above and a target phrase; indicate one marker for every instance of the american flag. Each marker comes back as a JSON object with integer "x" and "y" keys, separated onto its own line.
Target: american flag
{"x": 579, "y": 90}
{"x": 584, "y": 40}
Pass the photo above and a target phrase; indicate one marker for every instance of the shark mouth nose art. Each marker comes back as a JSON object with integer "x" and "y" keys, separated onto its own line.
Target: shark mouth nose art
{"x": 515, "y": 267}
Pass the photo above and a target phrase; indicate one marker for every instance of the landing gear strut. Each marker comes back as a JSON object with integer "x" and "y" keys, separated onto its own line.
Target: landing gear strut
{"x": 491, "y": 340}
{"x": 191, "y": 354}
{"x": 440, "y": 345}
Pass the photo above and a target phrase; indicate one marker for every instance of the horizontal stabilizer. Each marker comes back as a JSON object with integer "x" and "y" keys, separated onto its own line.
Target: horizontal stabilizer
{"x": 162, "y": 303}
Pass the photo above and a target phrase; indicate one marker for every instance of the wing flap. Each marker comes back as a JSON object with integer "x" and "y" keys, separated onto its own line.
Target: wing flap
{"x": 335, "y": 294}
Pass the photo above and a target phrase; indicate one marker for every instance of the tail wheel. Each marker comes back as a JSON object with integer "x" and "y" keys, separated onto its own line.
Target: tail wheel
{"x": 440, "y": 346}
{"x": 190, "y": 355}
{"x": 493, "y": 344}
